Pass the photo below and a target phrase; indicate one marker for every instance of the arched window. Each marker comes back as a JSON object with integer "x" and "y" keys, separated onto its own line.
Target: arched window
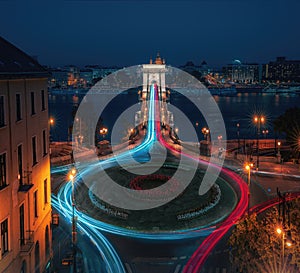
{"x": 47, "y": 243}
{"x": 37, "y": 257}
{"x": 23, "y": 268}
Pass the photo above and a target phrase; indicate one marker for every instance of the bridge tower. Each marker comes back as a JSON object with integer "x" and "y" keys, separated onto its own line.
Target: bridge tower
{"x": 154, "y": 73}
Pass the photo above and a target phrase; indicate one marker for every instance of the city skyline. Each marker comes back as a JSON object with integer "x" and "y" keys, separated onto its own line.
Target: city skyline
{"x": 128, "y": 33}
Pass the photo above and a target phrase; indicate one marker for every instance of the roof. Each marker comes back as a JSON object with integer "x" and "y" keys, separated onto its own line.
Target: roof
{"x": 14, "y": 63}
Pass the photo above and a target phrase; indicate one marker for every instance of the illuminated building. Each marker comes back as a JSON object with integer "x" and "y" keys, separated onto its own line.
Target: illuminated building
{"x": 282, "y": 70}
{"x": 241, "y": 72}
{"x": 25, "y": 207}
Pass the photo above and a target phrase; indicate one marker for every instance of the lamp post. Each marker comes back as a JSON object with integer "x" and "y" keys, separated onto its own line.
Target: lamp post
{"x": 265, "y": 132}
{"x": 51, "y": 123}
{"x": 219, "y": 140}
{"x": 258, "y": 120}
{"x": 71, "y": 176}
{"x": 205, "y": 132}
{"x": 286, "y": 241}
{"x": 79, "y": 137}
{"x": 248, "y": 167}
{"x": 103, "y": 131}
{"x": 238, "y": 135}
{"x": 286, "y": 235}
{"x": 278, "y": 153}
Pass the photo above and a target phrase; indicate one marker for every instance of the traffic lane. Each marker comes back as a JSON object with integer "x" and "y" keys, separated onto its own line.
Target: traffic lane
{"x": 155, "y": 252}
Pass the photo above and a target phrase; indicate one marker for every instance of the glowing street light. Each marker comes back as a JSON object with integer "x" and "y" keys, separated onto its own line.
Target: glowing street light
{"x": 278, "y": 153}
{"x": 248, "y": 167}
{"x": 205, "y": 132}
{"x": 238, "y": 135}
{"x": 219, "y": 140}
{"x": 258, "y": 121}
{"x": 103, "y": 131}
{"x": 71, "y": 177}
{"x": 286, "y": 241}
{"x": 51, "y": 121}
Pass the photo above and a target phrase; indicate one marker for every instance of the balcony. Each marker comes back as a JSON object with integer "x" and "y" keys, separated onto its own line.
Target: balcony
{"x": 25, "y": 187}
{"x": 26, "y": 244}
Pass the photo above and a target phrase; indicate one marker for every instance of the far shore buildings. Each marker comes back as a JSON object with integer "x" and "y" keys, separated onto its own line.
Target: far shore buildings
{"x": 25, "y": 207}
{"x": 282, "y": 70}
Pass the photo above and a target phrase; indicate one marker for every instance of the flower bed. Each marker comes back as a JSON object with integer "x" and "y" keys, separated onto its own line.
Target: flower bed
{"x": 106, "y": 208}
{"x": 148, "y": 185}
{"x": 204, "y": 208}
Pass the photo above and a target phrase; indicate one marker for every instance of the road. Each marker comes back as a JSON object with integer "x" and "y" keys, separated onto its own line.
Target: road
{"x": 159, "y": 252}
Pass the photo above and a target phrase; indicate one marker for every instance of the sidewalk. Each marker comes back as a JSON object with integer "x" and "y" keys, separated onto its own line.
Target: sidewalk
{"x": 62, "y": 248}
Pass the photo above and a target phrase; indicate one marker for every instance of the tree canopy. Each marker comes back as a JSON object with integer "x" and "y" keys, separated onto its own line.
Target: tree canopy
{"x": 257, "y": 247}
{"x": 288, "y": 123}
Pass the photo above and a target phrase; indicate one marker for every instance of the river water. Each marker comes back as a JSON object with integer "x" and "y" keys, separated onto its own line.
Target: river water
{"x": 237, "y": 109}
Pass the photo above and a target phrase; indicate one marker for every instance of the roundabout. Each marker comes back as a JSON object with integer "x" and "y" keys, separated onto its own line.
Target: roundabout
{"x": 187, "y": 211}
{"x": 182, "y": 212}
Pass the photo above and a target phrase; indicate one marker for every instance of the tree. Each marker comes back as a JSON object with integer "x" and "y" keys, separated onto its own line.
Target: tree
{"x": 257, "y": 246}
{"x": 288, "y": 122}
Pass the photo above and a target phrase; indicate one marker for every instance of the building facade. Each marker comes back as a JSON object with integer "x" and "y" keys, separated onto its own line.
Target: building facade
{"x": 282, "y": 70}
{"x": 242, "y": 72}
{"x": 25, "y": 207}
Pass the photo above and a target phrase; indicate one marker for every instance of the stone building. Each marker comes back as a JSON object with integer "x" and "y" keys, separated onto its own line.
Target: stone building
{"x": 25, "y": 207}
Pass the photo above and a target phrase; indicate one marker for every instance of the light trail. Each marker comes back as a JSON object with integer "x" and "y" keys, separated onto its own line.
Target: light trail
{"x": 150, "y": 138}
{"x": 198, "y": 258}
{"x": 107, "y": 252}
{"x": 93, "y": 227}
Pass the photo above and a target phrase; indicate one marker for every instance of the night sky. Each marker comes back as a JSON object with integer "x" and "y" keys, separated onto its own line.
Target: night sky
{"x": 129, "y": 32}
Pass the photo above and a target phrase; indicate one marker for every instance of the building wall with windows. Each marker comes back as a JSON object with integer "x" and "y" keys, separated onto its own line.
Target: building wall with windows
{"x": 282, "y": 70}
{"x": 25, "y": 209}
{"x": 242, "y": 72}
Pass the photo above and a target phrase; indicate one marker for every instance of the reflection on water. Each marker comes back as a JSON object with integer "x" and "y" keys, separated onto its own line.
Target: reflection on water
{"x": 235, "y": 109}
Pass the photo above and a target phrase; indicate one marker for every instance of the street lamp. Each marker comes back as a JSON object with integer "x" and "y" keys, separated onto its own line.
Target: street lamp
{"x": 103, "y": 131}
{"x": 51, "y": 123}
{"x": 258, "y": 120}
{"x": 220, "y": 139}
{"x": 238, "y": 135}
{"x": 248, "y": 167}
{"x": 286, "y": 241}
{"x": 205, "y": 132}
{"x": 71, "y": 177}
{"x": 278, "y": 153}
{"x": 265, "y": 132}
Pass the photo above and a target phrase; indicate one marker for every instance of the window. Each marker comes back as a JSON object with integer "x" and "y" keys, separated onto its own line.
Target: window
{"x": 44, "y": 143}
{"x": 24, "y": 267}
{"x": 47, "y": 243}
{"x": 3, "y": 170}
{"x": 32, "y": 103}
{"x": 35, "y": 204}
{"x": 43, "y": 100}
{"x": 37, "y": 257}
{"x": 2, "y": 112}
{"x": 22, "y": 231}
{"x": 18, "y": 107}
{"x": 20, "y": 164}
{"x": 34, "y": 158}
{"x": 4, "y": 237}
{"x": 46, "y": 191}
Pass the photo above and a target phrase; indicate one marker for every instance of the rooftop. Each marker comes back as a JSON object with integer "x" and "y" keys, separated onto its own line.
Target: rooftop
{"x": 15, "y": 63}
